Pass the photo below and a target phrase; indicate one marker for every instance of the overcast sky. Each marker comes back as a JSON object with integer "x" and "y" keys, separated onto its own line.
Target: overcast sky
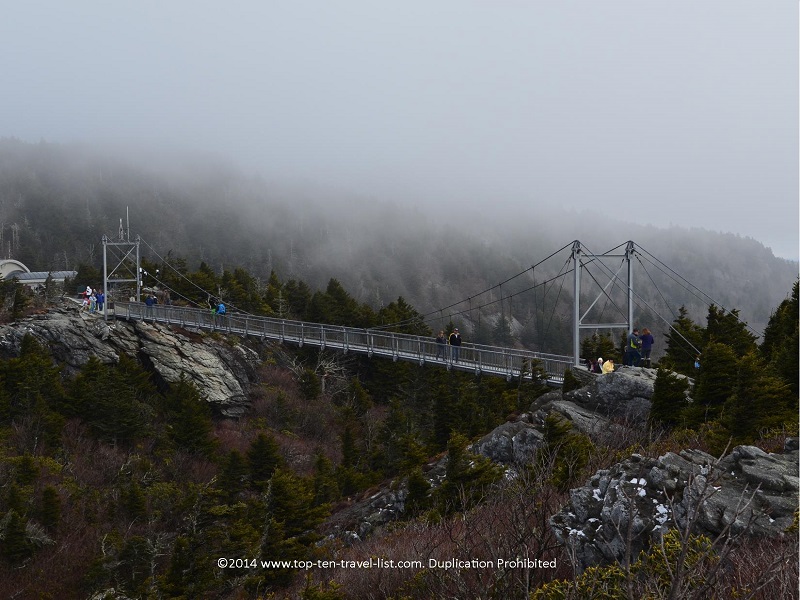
{"x": 682, "y": 112}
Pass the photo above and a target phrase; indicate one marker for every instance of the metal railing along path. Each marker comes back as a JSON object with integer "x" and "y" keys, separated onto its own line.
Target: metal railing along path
{"x": 490, "y": 360}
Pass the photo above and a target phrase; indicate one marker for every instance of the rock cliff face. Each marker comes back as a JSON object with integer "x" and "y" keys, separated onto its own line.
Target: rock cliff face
{"x": 222, "y": 372}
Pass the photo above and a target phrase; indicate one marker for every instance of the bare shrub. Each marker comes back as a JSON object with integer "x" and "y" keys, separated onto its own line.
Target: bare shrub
{"x": 501, "y": 539}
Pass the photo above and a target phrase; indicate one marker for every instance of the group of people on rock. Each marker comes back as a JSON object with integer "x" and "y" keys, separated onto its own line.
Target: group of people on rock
{"x": 637, "y": 353}
{"x": 638, "y": 348}
{"x": 454, "y": 340}
{"x": 93, "y": 300}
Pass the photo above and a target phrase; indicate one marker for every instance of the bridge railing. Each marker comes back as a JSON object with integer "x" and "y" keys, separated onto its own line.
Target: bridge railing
{"x": 398, "y": 346}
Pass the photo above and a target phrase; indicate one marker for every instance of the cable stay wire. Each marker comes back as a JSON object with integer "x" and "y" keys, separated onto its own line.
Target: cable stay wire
{"x": 709, "y": 298}
{"x": 471, "y": 297}
{"x": 674, "y": 316}
{"x": 208, "y": 294}
{"x": 490, "y": 303}
{"x": 655, "y": 312}
{"x": 555, "y": 304}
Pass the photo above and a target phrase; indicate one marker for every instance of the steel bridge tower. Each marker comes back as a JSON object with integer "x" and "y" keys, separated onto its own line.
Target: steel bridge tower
{"x": 128, "y": 268}
{"x": 578, "y": 263}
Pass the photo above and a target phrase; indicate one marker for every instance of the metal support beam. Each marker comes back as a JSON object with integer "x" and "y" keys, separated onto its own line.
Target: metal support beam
{"x": 629, "y": 250}
{"x": 125, "y": 271}
{"x": 576, "y": 309}
{"x": 577, "y": 319}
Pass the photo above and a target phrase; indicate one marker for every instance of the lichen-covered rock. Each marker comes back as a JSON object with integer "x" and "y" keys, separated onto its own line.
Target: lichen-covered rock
{"x": 514, "y": 442}
{"x": 624, "y": 393}
{"x": 621, "y": 511}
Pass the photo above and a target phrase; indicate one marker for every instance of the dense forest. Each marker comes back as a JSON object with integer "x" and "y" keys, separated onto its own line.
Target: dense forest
{"x": 56, "y": 202}
{"x": 115, "y": 485}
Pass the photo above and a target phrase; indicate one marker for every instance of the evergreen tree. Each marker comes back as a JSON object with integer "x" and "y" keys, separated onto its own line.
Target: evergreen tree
{"x": 263, "y": 457}
{"x": 419, "y": 493}
{"x": 715, "y": 383}
{"x": 326, "y": 489}
{"x": 781, "y": 343}
{"x": 234, "y": 472}
{"x": 298, "y": 299}
{"x": 310, "y": 386}
{"x": 178, "y": 582}
{"x": 567, "y": 450}
{"x": 290, "y": 524}
{"x": 600, "y": 346}
{"x": 761, "y": 401}
{"x": 190, "y": 418}
{"x": 27, "y": 469}
{"x": 501, "y": 332}
{"x": 681, "y": 342}
{"x": 133, "y": 501}
{"x": 727, "y": 328}
{"x": 467, "y": 475}
{"x": 15, "y": 545}
{"x": 669, "y": 398}
{"x": 408, "y": 319}
{"x": 21, "y": 301}
{"x": 102, "y": 397}
{"x": 50, "y": 513}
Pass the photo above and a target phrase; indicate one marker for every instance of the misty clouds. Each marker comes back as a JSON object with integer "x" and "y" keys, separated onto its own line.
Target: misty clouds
{"x": 681, "y": 113}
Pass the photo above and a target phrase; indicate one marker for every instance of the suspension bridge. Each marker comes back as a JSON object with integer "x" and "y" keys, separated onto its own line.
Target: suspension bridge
{"x": 474, "y": 358}
{"x": 382, "y": 342}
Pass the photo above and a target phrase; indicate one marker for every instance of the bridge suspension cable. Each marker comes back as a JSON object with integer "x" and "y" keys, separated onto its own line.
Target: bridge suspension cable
{"x": 469, "y": 298}
{"x": 689, "y": 289}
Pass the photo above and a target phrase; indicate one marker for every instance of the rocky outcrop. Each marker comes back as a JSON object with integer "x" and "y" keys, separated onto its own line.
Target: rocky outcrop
{"x": 511, "y": 443}
{"x": 625, "y": 393}
{"x": 221, "y": 371}
{"x": 621, "y": 511}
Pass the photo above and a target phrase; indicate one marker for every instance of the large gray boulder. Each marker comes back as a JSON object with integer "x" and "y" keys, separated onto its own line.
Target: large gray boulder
{"x": 221, "y": 371}
{"x": 624, "y": 393}
{"x": 512, "y": 443}
{"x": 622, "y": 510}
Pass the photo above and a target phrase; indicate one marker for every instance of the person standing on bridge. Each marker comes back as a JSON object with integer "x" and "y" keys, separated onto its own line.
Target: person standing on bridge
{"x": 647, "y": 346}
{"x": 219, "y": 313}
{"x": 441, "y": 346}
{"x": 149, "y": 302}
{"x": 455, "y": 343}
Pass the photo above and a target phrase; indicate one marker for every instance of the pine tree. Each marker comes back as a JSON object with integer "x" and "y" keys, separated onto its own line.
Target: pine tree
{"x": 600, "y": 346}
{"x": 419, "y": 490}
{"x": 715, "y": 383}
{"x": 190, "y": 418}
{"x": 727, "y": 328}
{"x": 760, "y": 401}
{"x": 682, "y": 343}
{"x": 234, "y": 472}
{"x": 263, "y": 457}
{"x": 324, "y": 482}
{"x": 467, "y": 475}
{"x": 50, "y": 513}
{"x": 15, "y": 545}
{"x": 133, "y": 502}
{"x": 781, "y": 341}
{"x": 669, "y": 398}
